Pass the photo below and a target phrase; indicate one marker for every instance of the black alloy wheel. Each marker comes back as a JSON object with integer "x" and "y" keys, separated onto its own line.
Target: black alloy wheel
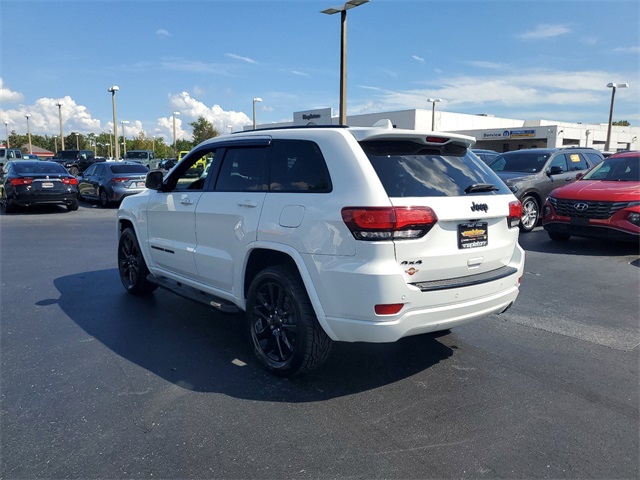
{"x": 74, "y": 171}
{"x": 286, "y": 335}
{"x": 131, "y": 266}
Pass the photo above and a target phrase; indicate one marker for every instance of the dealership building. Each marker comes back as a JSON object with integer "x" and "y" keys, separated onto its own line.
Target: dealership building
{"x": 493, "y": 133}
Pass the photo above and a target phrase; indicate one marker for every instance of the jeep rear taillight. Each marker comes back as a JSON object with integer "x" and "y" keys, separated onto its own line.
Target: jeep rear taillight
{"x": 388, "y": 223}
{"x": 515, "y": 212}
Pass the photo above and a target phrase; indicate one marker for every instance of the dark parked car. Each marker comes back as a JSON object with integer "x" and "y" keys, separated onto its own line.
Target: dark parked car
{"x": 75, "y": 161}
{"x": 531, "y": 174}
{"x": 110, "y": 182}
{"x": 167, "y": 163}
{"x": 34, "y": 182}
{"x": 485, "y": 155}
{"x": 605, "y": 203}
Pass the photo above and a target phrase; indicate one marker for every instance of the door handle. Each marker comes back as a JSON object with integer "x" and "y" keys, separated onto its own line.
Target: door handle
{"x": 248, "y": 203}
{"x": 185, "y": 200}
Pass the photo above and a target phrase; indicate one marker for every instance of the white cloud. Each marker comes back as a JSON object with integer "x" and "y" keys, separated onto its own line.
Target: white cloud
{"x": 487, "y": 65}
{"x": 301, "y": 74}
{"x": 190, "y": 110}
{"x": 545, "y": 31}
{"x": 161, "y": 32}
{"x": 528, "y": 88}
{"x": 417, "y": 58}
{"x": 9, "y": 96}
{"x": 635, "y": 50}
{"x": 238, "y": 57}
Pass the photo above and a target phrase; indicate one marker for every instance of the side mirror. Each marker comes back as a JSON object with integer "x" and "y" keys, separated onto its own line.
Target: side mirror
{"x": 555, "y": 170}
{"x": 580, "y": 175}
{"x": 154, "y": 180}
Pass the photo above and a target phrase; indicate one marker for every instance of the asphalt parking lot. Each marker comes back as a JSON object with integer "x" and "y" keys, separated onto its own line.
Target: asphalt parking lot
{"x": 95, "y": 383}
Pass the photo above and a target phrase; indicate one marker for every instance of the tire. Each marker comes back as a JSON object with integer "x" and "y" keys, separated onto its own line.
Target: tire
{"x": 530, "y": 214}
{"x": 558, "y": 237}
{"x": 72, "y": 207}
{"x": 285, "y": 332}
{"x": 74, "y": 171}
{"x": 6, "y": 206}
{"x": 103, "y": 198}
{"x": 131, "y": 266}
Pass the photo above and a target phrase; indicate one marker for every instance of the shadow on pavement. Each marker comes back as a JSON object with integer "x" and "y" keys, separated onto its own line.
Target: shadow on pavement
{"x": 202, "y": 350}
{"x": 539, "y": 241}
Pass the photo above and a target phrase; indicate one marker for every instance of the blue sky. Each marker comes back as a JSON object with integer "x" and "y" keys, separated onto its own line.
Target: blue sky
{"x": 525, "y": 59}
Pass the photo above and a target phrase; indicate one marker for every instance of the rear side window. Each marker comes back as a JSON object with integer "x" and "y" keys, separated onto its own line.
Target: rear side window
{"x": 297, "y": 166}
{"x": 576, "y": 162}
{"x": 408, "y": 169}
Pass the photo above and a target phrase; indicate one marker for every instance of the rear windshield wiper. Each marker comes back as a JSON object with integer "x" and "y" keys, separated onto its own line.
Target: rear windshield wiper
{"x": 481, "y": 187}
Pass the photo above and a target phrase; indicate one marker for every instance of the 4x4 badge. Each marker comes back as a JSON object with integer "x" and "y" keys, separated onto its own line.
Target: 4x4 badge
{"x": 476, "y": 207}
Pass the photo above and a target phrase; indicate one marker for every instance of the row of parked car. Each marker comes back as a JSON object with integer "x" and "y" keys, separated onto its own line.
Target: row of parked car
{"x": 605, "y": 203}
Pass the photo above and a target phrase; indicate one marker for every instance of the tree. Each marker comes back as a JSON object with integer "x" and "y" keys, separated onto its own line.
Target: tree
{"x": 621, "y": 123}
{"x": 202, "y": 130}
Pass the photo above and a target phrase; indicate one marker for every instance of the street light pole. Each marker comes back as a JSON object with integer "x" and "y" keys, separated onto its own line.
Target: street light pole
{"x": 55, "y": 142}
{"x": 255, "y": 99}
{"x": 124, "y": 138}
{"x": 113, "y": 91}
{"x": 77, "y": 140}
{"x": 343, "y": 52}
{"x": 175, "y": 150}
{"x": 433, "y": 111}
{"x": 6, "y": 128}
{"x": 29, "y": 133}
{"x": 613, "y": 87}
{"x": 59, "y": 104}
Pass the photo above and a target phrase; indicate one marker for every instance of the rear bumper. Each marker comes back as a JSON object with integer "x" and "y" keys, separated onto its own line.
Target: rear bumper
{"x": 26, "y": 200}
{"x": 349, "y": 313}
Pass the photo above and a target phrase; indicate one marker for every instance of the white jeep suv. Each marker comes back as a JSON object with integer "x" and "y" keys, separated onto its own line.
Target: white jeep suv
{"x": 325, "y": 234}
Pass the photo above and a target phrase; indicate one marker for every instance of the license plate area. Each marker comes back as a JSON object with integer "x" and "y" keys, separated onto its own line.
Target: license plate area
{"x": 46, "y": 184}
{"x": 473, "y": 235}
{"x": 579, "y": 221}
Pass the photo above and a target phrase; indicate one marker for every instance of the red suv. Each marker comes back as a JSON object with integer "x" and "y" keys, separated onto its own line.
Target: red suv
{"x": 604, "y": 203}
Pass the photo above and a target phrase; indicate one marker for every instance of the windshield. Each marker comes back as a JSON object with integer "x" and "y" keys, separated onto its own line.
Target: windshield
{"x": 407, "y": 169}
{"x": 137, "y": 155}
{"x": 523, "y": 162}
{"x": 622, "y": 169}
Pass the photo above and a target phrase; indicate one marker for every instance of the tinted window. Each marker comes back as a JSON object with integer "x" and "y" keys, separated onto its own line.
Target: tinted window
{"x": 594, "y": 158}
{"x": 243, "y": 169}
{"x": 559, "y": 161}
{"x": 576, "y": 162}
{"x": 39, "y": 167}
{"x": 128, "y": 169}
{"x": 526, "y": 162}
{"x": 297, "y": 166}
{"x": 90, "y": 171}
{"x": 407, "y": 169}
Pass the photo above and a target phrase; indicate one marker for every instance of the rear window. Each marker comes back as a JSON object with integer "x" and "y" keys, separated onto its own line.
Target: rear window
{"x": 128, "y": 169}
{"x": 39, "y": 167}
{"x": 408, "y": 169}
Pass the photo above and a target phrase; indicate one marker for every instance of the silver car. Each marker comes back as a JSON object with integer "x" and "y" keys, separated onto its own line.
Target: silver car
{"x": 110, "y": 182}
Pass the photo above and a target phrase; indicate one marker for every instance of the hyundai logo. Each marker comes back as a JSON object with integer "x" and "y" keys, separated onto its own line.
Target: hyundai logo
{"x": 477, "y": 207}
{"x": 581, "y": 207}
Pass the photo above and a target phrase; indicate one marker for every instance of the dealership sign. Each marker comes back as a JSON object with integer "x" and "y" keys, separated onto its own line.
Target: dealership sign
{"x": 510, "y": 134}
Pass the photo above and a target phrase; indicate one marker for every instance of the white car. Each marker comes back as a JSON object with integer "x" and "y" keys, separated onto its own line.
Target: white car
{"x": 325, "y": 234}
